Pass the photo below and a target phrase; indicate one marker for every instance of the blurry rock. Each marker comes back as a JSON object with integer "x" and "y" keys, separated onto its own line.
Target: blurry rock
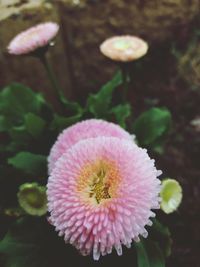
{"x": 189, "y": 65}
{"x": 196, "y": 123}
{"x": 90, "y": 22}
{"x": 16, "y": 16}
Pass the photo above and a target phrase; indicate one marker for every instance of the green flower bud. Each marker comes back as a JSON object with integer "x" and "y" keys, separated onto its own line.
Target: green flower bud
{"x": 32, "y": 198}
{"x": 171, "y": 195}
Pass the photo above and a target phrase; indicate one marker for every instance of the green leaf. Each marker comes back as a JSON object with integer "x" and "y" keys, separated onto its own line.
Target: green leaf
{"x": 142, "y": 257}
{"x": 149, "y": 254}
{"x": 121, "y": 112}
{"x": 160, "y": 233}
{"x": 69, "y": 105}
{"x": 74, "y": 113}
{"x": 29, "y": 163}
{"x": 152, "y": 125}
{"x": 59, "y": 122}
{"x": 4, "y": 124}
{"x": 155, "y": 254}
{"x": 17, "y": 100}
{"x": 98, "y": 104}
{"x": 17, "y": 246}
{"x": 34, "y": 124}
{"x": 20, "y": 138}
{"x": 32, "y": 242}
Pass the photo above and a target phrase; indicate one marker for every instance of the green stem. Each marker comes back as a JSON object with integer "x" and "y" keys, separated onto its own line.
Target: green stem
{"x": 125, "y": 78}
{"x": 51, "y": 76}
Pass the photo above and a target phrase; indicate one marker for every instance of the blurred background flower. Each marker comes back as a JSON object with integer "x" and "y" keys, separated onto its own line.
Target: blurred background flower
{"x": 32, "y": 199}
{"x": 171, "y": 195}
{"x": 124, "y": 48}
{"x": 34, "y": 38}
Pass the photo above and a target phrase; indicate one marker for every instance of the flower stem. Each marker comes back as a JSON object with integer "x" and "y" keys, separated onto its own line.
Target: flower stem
{"x": 125, "y": 78}
{"x": 51, "y": 75}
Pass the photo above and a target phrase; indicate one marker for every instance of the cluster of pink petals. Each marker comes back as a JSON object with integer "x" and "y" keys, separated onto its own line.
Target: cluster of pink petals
{"x": 117, "y": 220}
{"x": 83, "y": 130}
{"x": 33, "y": 38}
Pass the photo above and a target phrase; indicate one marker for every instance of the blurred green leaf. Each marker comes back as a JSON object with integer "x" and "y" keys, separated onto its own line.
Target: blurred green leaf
{"x": 73, "y": 107}
{"x": 60, "y": 122}
{"x": 25, "y": 244}
{"x": 19, "y": 138}
{"x": 32, "y": 242}
{"x": 160, "y": 233}
{"x": 34, "y": 124}
{"x": 29, "y": 163}
{"x": 17, "y": 244}
{"x": 149, "y": 254}
{"x": 98, "y": 104}
{"x": 152, "y": 125}
{"x": 4, "y": 123}
{"x": 15, "y": 101}
{"x": 142, "y": 257}
{"x": 121, "y": 112}
{"x": 74, "y": 113}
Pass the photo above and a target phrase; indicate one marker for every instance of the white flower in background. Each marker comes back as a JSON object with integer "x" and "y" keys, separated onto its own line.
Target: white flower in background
{"x": 171, "y": 195}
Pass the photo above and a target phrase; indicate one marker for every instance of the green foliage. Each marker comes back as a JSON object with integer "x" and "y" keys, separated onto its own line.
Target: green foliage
{"x": 98, "y": 104}
{"x": 32, "y": 127}
{"x": 74, "y": 110}
{"x": 20, "y": 118}
{"x": 34, "y": 124}
{"x": 121, "y": 112}
{"x": 152, "y": 126}
{"x": 160, "y": 233}
{"x": 16, "y": 245}
{"x": 20, "y": 137}
{"x": 15, "y": 101}
{"x": 29, "y": 163}
{"x": 149, "y": 254}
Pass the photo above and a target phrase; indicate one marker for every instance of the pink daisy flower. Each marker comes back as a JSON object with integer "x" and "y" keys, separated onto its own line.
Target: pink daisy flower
{"x": 124, "y": 48}
{"x": 33, "y": 38}
{"x": 100, "y": 195}
{"x": 83, "y": 130}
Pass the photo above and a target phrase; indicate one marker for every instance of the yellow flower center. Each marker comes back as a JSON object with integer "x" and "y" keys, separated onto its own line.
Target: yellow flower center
{"x": 99, "y": 188}
{"x": 122, "y": 44}
{"x": 99, "y": 181}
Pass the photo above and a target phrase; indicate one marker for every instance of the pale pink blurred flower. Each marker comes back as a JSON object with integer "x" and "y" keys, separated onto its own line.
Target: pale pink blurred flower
{"x": 83, "y": 130}
{"x": 196, "y": 123}
{"x": 33, "y": 38}
{"x": 100, "y": 195}
{"x": 124, "y": 48}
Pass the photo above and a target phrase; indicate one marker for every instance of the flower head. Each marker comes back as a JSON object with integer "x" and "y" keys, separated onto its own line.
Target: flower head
{"x": 32, "y": 198}
{"x": 34, "y": 38}
{"x": 124, "y": 48}
{"x": 83, "y": 130}
{"x": 100, "y": 194}
{"x": 171, "y": 195}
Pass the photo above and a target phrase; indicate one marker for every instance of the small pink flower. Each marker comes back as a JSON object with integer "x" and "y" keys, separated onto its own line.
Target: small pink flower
{"x": 83, "y": 130}
{"x": 33, "y": 38}
{"x": 124, "y": 48}
{"x": 100, "y": 195}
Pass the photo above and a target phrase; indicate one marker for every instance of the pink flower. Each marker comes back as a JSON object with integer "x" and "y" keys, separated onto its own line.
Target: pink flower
{"x": 100, "y": 195}
{"x": 124, "y": 48}
{"x": 33, "y": 38}
{"x": 83, "y": 130}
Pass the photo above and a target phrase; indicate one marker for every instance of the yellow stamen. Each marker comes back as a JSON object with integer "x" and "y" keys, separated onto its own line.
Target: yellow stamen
{"x": 98, "y": 181}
